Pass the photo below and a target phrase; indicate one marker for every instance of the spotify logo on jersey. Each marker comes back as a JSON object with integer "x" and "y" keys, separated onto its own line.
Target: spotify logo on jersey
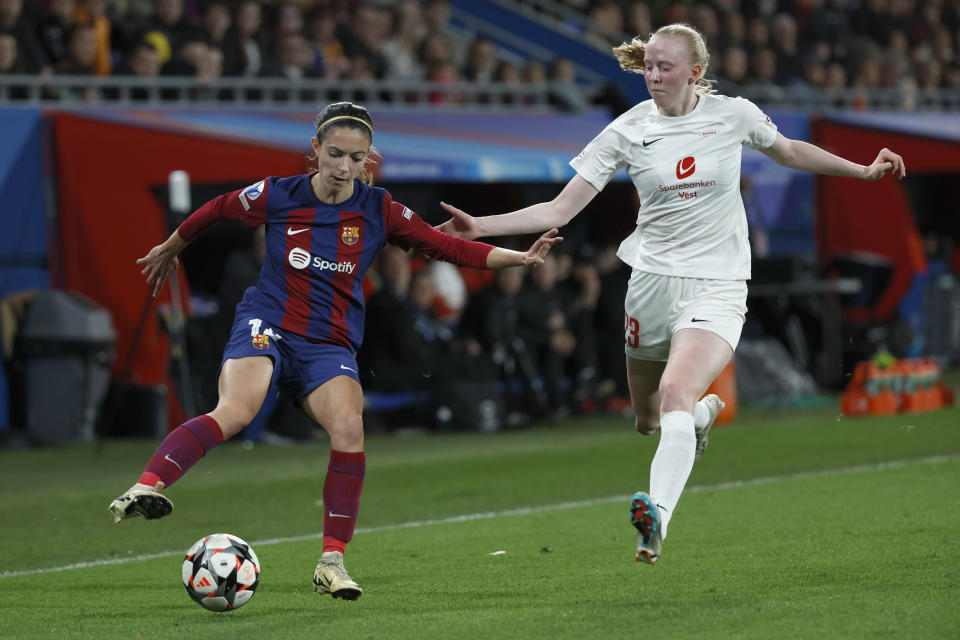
{"x": 299, "y": 258}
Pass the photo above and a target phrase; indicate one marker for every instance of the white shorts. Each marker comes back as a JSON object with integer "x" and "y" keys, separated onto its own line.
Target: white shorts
{"x": 658, "y": 306}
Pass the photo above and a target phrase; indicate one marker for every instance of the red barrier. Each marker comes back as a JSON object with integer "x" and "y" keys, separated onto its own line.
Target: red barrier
{"x": 875, "y": 217}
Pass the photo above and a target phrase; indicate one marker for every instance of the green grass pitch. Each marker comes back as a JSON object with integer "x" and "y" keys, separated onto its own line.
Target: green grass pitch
{"x": 796, "y": 524}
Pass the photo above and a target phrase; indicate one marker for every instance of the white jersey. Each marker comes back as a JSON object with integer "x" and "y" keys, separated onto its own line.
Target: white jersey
{"x": 686, "y": 170}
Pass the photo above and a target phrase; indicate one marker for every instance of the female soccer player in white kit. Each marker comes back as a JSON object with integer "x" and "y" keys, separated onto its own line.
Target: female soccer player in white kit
{"x": 690, "y": 255}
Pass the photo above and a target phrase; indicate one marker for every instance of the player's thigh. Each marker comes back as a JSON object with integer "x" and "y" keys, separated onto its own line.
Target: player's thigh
{"x": 242, "y": 387}
{"x": 696, "y": 358}
{"x": 337, "y": 406}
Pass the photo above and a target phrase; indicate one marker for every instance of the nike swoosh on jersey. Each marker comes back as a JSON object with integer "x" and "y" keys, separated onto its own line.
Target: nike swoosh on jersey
{"x": 647, "y": 143}
{"x": 343, "y": 366}
{"x": 698, "y": 320}
{"x": 291, "y": 232}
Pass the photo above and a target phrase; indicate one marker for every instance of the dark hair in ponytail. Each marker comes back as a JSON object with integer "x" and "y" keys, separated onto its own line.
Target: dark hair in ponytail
{"x": 350, "y": 116}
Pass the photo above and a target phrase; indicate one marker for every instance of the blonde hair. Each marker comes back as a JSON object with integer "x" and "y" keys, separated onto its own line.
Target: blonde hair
{"x": 630, "y": 54}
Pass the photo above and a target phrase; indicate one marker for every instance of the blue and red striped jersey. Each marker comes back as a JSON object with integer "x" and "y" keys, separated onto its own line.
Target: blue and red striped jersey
{"x": 317, "y": 253}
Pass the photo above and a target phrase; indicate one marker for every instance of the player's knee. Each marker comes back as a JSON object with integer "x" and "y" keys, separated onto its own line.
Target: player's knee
{"x": 646, "y": 414}
{"x": 347, "y": 431}
{"x": 233, "y": 416}
{"x": 675, "y": 397}
{"x": 646, "y": 422}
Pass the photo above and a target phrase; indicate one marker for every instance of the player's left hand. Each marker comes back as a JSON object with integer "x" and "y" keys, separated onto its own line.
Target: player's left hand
{"x": 534, "y": 255}
{"x": 886, "y": 162}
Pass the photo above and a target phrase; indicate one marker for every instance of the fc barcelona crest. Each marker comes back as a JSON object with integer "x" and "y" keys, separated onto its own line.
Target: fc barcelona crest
{"x": 350, "y": 235}
{"x": 261, "y": 341}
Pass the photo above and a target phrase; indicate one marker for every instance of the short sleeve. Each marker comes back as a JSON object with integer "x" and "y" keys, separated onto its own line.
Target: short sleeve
{"x": 603, "y": 157}
{"x": 759, "y": 132}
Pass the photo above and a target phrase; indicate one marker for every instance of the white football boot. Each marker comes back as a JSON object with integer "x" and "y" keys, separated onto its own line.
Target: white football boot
{"x": 141, "y": 500}
{"x": 714, "y": 405}
{"x": 330, "y": 577}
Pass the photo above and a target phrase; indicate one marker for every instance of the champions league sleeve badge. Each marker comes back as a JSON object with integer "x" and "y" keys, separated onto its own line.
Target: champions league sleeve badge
{"x": 250, "y": 194}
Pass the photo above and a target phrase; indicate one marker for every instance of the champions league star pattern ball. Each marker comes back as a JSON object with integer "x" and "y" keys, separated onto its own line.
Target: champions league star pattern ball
{"x": 221, "y": 572}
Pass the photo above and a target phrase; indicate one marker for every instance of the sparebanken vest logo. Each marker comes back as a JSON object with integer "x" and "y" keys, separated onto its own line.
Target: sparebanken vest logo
{"x": 686, "y": 167}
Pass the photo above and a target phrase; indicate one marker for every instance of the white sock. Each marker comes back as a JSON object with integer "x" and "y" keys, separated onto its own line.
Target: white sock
{"x": 701, "y": 415}
{"x": 672, "y": 463}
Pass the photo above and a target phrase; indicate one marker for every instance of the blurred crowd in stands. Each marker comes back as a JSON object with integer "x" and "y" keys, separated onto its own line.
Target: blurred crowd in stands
{"x": 328, "y": 39}
{"x": 767, "y": 43}
{"x": 813, "y": 43}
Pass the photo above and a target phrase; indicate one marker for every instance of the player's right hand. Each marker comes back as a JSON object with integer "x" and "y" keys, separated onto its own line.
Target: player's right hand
{"x": 461, "y": 224}
{"x": 158, "y": 264}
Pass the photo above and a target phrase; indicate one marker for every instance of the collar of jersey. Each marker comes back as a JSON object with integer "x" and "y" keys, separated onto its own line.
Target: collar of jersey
{"x": 693, "y": 112}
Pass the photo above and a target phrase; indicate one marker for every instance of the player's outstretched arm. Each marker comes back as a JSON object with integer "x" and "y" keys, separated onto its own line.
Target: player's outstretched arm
{"x": 499, "y": 258}
{"x": 804, "y": 156}
{"x": 161, "y": 261}
{"x": 535, "y": 218}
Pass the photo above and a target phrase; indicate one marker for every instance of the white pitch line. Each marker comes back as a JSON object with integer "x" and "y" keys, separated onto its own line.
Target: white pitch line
{"x": 522, "y": 511}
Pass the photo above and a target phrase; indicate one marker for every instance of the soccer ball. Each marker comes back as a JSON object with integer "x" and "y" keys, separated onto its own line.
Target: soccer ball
{"x": 221, "y": 572}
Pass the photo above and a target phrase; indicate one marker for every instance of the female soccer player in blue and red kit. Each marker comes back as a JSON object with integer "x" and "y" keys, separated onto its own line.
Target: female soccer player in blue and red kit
{"x": 302, "y": 324}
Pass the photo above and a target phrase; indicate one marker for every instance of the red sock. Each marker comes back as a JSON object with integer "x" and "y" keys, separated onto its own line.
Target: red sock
{"x": 341, "y": 498}
{"x": 332, "y": 544}
{"x": 181, "y": 449}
